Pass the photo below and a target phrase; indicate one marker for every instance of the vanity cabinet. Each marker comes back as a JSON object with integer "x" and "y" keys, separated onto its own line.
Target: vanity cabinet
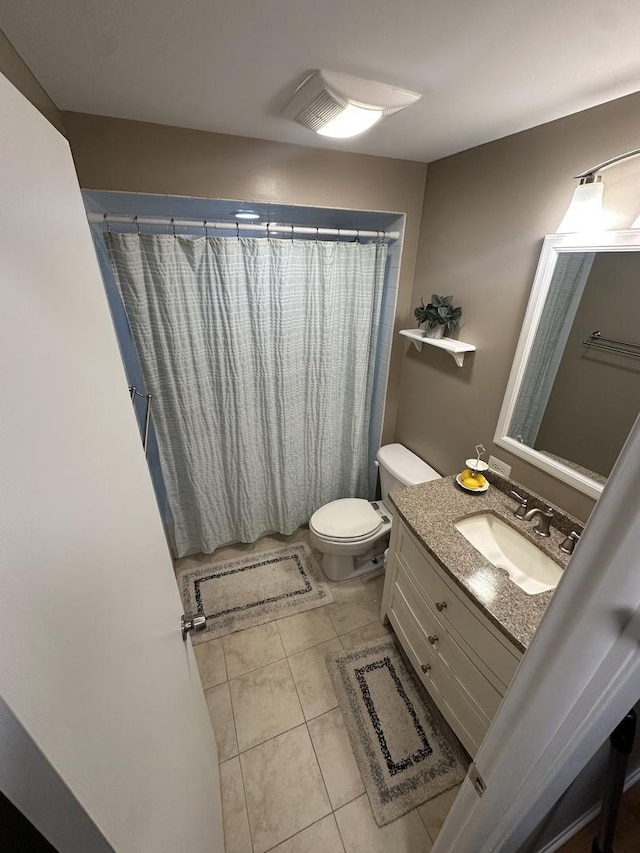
{"x": 464, "y": 662}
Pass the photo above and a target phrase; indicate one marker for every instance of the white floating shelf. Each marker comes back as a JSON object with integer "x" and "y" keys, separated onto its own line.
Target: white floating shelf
{"x": 456, "y": 349}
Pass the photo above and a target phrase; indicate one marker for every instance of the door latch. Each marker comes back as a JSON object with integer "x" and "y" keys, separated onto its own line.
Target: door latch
{"x": 477, "y": 780}
{"x": 192, "y": 623}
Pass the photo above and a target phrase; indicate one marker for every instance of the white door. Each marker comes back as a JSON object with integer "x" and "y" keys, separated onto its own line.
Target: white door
{"x": 93, "y": 669}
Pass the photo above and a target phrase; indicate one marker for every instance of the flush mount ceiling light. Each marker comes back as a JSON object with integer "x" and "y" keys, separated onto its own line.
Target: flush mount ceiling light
{"x": 246, "y": 214}
{"x": 585, "y": 210}
{"x": 341, "y": 106}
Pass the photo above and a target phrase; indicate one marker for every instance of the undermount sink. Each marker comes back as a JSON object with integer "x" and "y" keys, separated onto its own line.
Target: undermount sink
{"x": 526, "y": 565}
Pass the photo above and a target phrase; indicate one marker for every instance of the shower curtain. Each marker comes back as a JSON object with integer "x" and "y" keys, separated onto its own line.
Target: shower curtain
{"x": 565, "y": 292}
{"x": 260, "y": 356}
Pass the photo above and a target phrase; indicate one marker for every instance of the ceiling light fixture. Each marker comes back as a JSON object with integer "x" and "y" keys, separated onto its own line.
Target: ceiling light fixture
{"x": 246, "y": 214}
{"x": 585, "y": 209}
{"x": 341, "y": 106}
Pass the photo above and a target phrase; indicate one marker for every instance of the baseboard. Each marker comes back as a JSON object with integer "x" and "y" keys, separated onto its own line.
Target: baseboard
{"x": 581, "y": 822}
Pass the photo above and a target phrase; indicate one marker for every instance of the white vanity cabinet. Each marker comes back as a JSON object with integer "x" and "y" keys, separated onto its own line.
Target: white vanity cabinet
{"x": 462, "y": 659}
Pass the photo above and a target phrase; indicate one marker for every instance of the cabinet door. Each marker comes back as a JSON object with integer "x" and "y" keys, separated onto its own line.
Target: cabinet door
{"x": 461, "y": 692}
{"x": 461, "y": 617}
{"x": 466, "y": 678}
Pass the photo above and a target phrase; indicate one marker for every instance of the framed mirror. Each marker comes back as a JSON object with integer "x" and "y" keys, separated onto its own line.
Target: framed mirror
{"x": 574, "y": 389}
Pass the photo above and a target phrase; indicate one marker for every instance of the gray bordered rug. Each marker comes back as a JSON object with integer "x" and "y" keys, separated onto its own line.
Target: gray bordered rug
{"x": 406, "y": 752}
{"x": 248, "y": 591}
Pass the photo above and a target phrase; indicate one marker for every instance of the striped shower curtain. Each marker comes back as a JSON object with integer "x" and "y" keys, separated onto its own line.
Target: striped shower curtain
{"x": 565, "y": 292}
{"x": 260, "y": 357}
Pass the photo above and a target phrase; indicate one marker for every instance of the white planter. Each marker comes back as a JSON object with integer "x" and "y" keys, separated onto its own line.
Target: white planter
{"x": 436, "y": 332}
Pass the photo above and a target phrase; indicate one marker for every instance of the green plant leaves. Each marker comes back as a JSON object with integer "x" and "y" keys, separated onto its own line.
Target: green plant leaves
{"x": 439, "y": 312}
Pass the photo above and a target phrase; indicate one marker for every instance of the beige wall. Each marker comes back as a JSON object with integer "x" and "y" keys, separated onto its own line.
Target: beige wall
{"x": 15, "y": 70}
{"x": 114, "y": 154}
{"x": 486, "y": 211}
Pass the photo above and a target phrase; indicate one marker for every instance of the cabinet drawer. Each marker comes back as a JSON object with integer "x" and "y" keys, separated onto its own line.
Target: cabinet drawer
{"x": 472, "y": 631}
{"x": 409, "y": 630}
{"x": 464, "y": 674}
{"x": 464, "y": 717}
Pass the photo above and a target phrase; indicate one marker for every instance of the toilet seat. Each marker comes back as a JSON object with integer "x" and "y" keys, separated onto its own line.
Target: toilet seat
{"x": 346, "y": 519}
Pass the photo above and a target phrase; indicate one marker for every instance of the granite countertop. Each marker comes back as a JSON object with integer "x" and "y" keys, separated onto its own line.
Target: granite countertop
{"x": 431, "y": 509}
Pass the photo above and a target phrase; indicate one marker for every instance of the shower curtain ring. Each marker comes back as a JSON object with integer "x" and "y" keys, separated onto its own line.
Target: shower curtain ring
{"x": 135, "y": 219}
{"x": 292, "y": 233}
{"x": 106, "y": 222}
{"x": 173, "y": 226}
{"x": 358, "y": 236}
{"x": 206, "y": 230}
{"x": 317, "y": 232}
{"x": 238, "y": 230}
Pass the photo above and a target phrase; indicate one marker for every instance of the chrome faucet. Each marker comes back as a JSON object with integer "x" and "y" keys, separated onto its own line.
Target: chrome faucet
{"x": 522, "y": 508}
{"x": 543, "y": 524}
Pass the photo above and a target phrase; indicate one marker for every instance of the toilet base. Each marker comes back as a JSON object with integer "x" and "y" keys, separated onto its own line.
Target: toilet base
{"x": 341, "y": 568}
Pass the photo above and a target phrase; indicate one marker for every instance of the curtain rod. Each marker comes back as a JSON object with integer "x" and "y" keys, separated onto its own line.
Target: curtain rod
{"x": 286, "y": 230}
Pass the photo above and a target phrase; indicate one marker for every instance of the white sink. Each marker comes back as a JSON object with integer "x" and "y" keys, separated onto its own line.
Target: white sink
{"x": 527, "y": 566}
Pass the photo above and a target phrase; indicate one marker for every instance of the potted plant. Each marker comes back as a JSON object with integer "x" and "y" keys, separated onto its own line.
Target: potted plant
{"x": 437, "y": 316}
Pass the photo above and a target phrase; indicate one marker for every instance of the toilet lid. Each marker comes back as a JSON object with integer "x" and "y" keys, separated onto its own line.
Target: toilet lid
{"x": 347, "y": 518}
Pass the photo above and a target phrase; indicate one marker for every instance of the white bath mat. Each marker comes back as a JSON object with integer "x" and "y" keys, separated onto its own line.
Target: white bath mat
{"x": 406, "y": 752}
{"x": 248, "y": 591}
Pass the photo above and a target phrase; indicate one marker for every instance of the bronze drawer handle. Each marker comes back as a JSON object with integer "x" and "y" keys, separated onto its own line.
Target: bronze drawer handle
{"x": 432, "y": 639}
{"x": 440, "y": 606}
{"x": 425, "y": 667}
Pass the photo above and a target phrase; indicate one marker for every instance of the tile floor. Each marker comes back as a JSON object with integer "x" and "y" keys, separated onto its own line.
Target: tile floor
{"x": 290, "y": 783}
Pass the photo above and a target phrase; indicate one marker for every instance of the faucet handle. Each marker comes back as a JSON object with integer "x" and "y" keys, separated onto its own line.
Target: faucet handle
{"x": 568, "y": 544}
{"x": 524, "y": 502}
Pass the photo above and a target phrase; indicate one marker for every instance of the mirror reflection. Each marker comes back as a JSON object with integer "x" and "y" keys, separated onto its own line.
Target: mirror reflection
{"x": 580, "y": 393}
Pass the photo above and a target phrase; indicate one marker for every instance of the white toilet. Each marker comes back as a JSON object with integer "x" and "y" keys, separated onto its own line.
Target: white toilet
{"x": 352, "y": 533}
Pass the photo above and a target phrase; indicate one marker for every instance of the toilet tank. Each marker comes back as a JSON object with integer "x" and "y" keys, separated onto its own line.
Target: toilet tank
{"x": 400, "y": 467}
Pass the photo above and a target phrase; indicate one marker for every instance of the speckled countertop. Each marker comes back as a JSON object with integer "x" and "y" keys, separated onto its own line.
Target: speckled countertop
{"x": 431, "y": 509}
